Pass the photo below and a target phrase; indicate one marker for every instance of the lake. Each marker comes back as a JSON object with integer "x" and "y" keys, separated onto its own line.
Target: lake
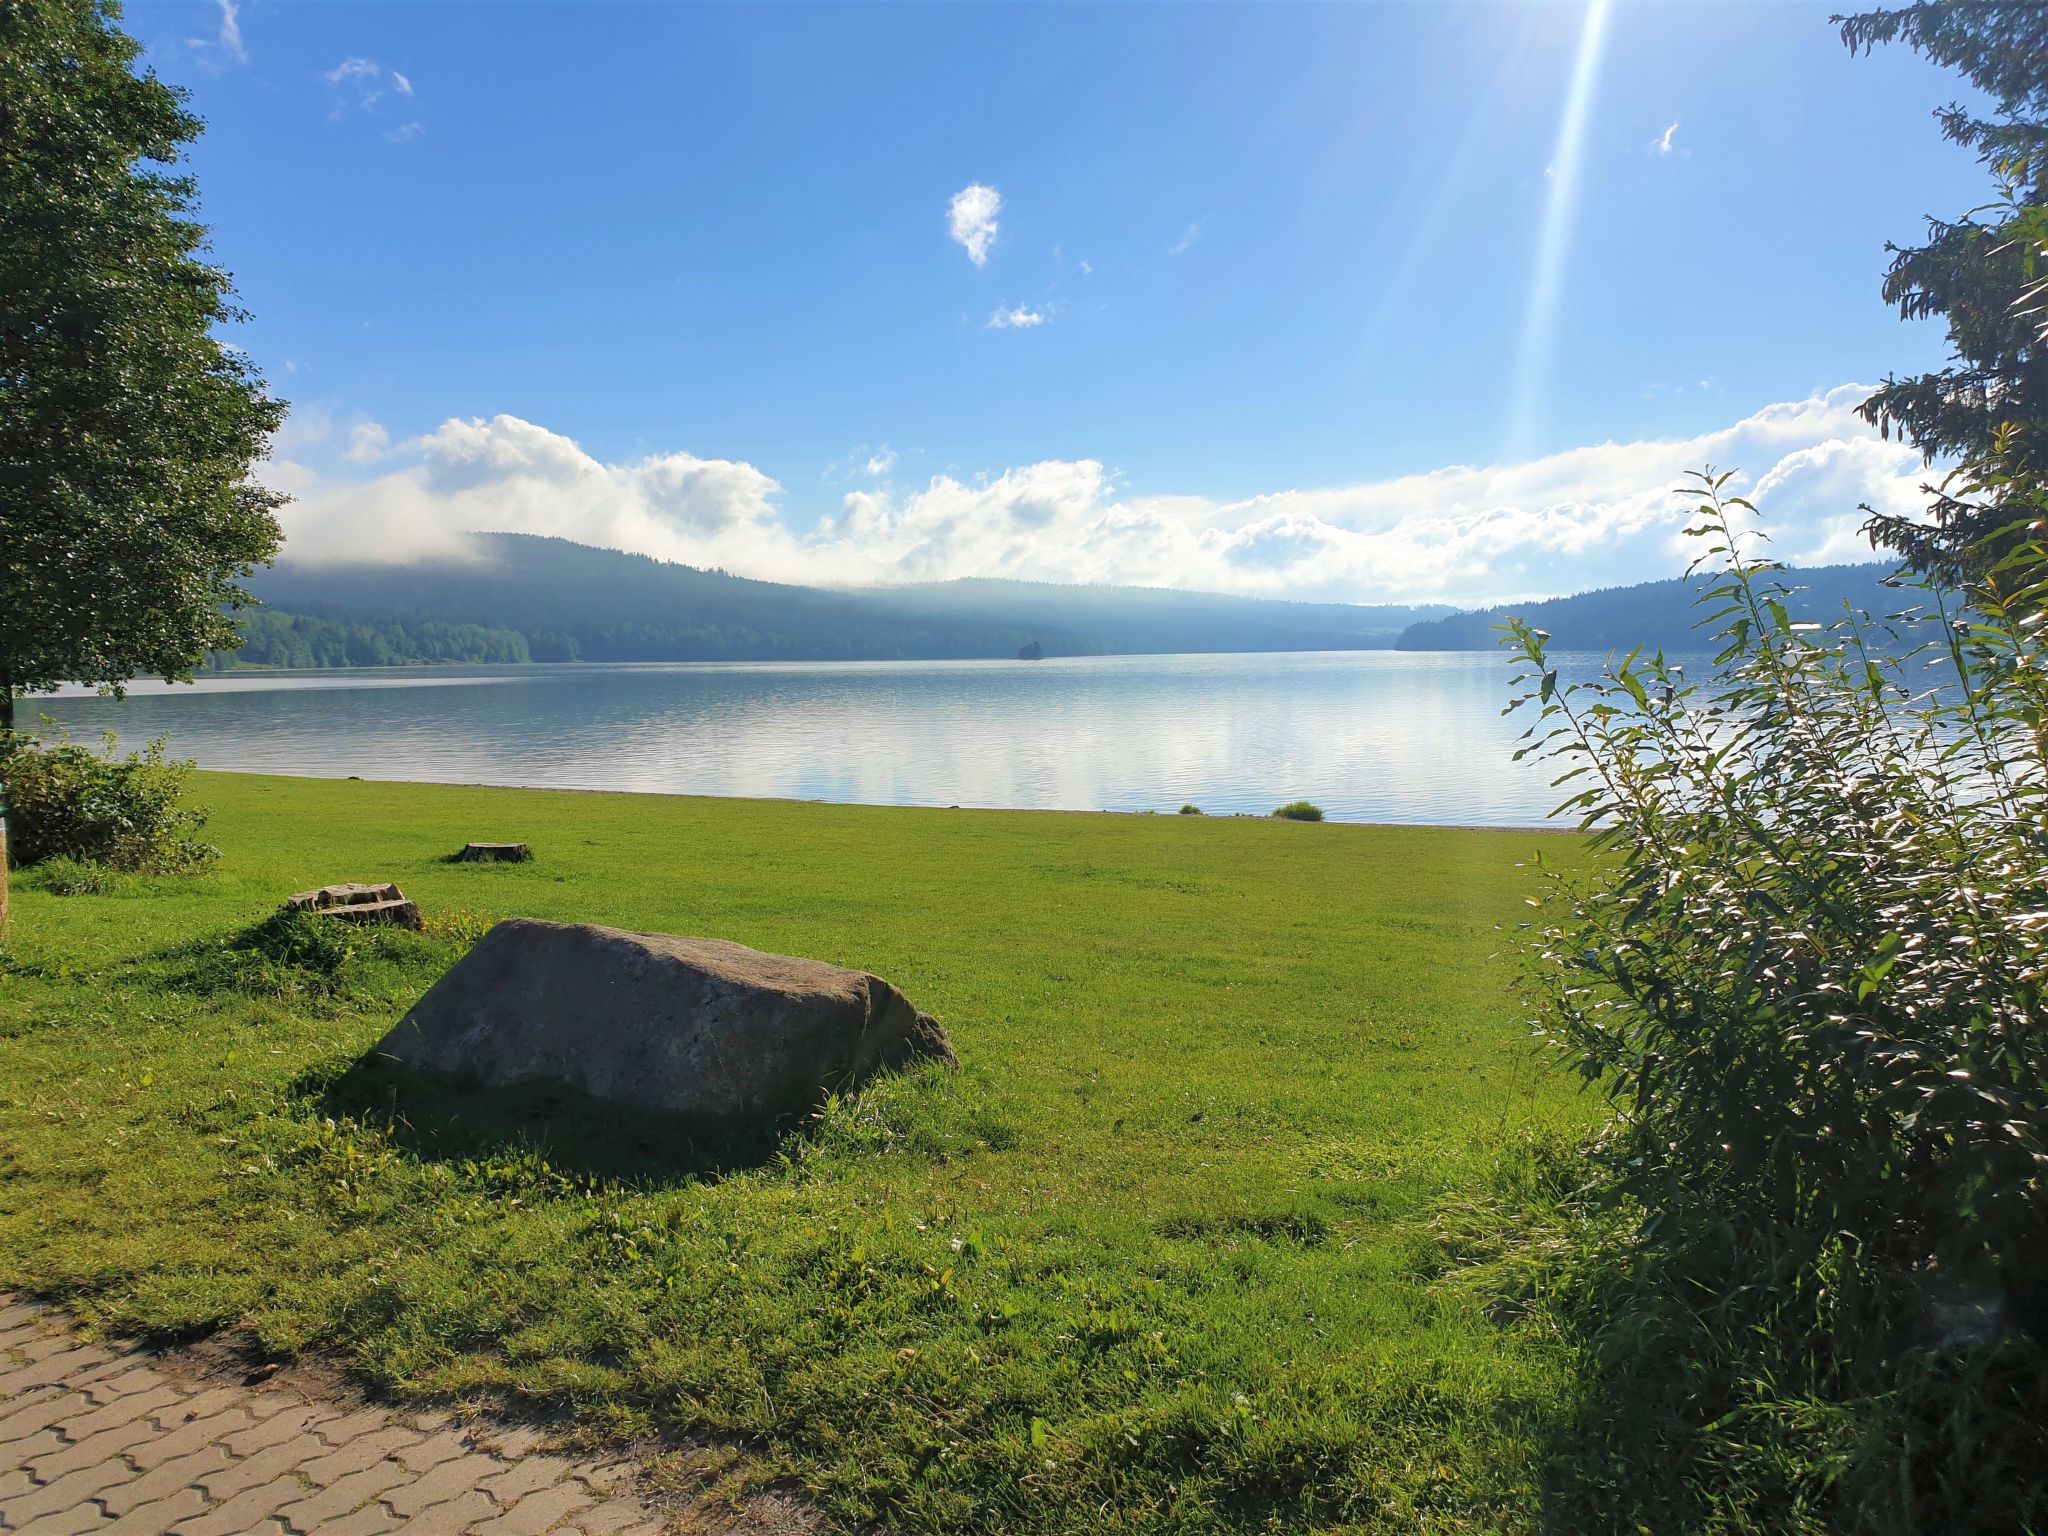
{"x": 1368, "y": 735}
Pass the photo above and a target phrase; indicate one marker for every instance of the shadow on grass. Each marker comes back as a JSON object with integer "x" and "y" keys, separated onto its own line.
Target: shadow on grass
{"x": 453, "y": 1120}
{"x": 1723, "y": 1392}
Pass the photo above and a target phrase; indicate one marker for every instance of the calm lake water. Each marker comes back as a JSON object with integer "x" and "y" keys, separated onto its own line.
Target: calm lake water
{"x": 1367, "y": 735}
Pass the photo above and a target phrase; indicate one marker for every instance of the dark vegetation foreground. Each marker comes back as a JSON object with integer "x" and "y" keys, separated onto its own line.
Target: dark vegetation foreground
{"x": 1161, "y": 1256}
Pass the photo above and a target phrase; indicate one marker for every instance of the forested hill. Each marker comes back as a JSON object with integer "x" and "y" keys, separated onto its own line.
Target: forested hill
{"x": 1128, "y": 620}
{"x": 569, "y": 602}
{"x": 1654, "y": 614}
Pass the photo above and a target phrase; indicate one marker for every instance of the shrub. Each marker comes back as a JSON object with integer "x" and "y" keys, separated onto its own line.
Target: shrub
{"x": 1810, "y": 981}
{"x": 127, "y": 813}
{"x": 1300, "y": 810}
{"x": 63, "y": 876}
{"x": 1191, "y": 810}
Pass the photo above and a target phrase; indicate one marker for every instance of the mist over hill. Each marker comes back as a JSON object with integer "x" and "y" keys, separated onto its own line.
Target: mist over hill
{"x": 1654, "y": 614}
{"x": 523, "y": 597}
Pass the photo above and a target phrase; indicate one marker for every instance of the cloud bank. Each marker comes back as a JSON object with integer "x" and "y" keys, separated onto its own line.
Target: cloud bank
{"x": 1590, "y": 517}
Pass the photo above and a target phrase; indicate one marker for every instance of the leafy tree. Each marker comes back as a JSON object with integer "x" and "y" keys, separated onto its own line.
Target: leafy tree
{"x": 127, "y": 426}
{"x": 1986, "y": 273}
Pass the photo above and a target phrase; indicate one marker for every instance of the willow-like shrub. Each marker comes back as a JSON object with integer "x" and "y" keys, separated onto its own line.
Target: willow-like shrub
{"x": 1809, "y": 976}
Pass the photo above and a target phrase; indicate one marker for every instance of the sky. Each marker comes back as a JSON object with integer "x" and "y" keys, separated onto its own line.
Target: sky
{"x": 1366, "y": 303}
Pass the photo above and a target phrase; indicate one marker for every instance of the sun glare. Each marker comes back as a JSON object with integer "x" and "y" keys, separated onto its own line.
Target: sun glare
{"x": 1539, "y": 323}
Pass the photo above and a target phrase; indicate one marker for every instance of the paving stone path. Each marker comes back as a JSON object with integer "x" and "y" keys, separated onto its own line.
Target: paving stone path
{"x": 128, "y": 1441}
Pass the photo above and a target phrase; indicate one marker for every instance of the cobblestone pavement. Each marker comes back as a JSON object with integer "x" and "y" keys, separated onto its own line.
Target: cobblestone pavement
{"x": 123, "y": 1440}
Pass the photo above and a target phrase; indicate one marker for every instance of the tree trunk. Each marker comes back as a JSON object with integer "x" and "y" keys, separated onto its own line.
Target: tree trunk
{"x": 6, "y": 725}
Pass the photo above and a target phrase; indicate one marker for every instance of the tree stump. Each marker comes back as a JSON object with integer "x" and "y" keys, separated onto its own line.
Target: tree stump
{"x": 494, "y": 853}
{"x": 357, "y": 904}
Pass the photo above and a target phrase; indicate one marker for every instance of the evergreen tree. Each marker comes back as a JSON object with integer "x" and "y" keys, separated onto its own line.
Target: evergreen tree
{"x": 1986, "y": 274}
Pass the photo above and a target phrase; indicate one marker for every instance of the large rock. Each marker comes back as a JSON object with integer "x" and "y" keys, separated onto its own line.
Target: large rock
{"x": 723, "y": 1037}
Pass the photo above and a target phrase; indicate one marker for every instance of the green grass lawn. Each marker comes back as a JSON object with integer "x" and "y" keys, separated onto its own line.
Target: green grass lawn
{"x": 1157, "y": 1258}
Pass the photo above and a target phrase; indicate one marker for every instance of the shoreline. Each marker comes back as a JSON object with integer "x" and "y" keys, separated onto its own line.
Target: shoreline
{"x": 872, "y": 805}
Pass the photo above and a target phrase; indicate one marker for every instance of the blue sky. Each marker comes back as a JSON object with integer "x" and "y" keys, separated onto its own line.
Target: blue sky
{"x": 687, "y": 276}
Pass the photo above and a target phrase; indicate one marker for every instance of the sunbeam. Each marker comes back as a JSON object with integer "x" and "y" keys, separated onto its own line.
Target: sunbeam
{"x": 1539, "y": 324}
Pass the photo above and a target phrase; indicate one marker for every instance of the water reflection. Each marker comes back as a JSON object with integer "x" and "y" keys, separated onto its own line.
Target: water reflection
{"x": 1369, "y": 736}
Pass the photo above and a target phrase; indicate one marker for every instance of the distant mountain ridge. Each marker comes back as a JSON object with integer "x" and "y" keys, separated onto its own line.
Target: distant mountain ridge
{"x": 563, "y": 601}
{"x": 1653, "y": 614}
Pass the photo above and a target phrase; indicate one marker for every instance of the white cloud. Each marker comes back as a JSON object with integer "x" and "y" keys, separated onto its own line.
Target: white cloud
{"x": 971, "y": 220}
{"x": 1020, "y": 318}
{"x": 1664, "y": 144}
{"x": 364, "y": 85}
{"x": 881, "y": 462}
{"x": 225, "y": 46}
{"x": 1187, "y": 239}
{"x": 230, "y": 42}
{"x": 367, "y": 441}
{"x": 1594, "y": 516}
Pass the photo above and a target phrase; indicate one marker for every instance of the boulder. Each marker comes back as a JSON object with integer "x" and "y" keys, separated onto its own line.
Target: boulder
{"x": 724, "y": 1038}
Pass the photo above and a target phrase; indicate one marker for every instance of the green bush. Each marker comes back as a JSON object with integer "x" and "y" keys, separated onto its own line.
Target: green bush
{"x": 62, "y": 876}
{"x": 1810, "y": 983}
{"x": 127, "y": 813}
{"x": 1300, "y": 810}
{"x": 1191, "y": 810}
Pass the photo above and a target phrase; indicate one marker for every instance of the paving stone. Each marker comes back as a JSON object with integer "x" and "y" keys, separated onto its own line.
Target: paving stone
{"x": 165, "y": 1479}
{"x": 97, "y": 1438}
{"x": 339, "y": 1432}
{"x": 137, "y": 1374}
{"x": 246, "y": 1511}
{"x": 15, "y": 1483}
{"x": 30, "y": 1448}
{"x": 343, "y": 1497}
{"x": 612, "y": 1517}
{"x": 606, "y": 1478}
{"x": 510, "y": 1443}
{"x": 188, "y": 1438}
{"x": 448, "y": 1481}
{"x": 454, "y": 1516}
{"x": 279, "y": 1427}
{"x": 56, "y": 1342}
{"x": 267, "y": 1465}
{"x": 201, "y": 1405}
{"x": 526, "y": 1475}
{"x": 136, "y": 1406}
{"x": 55, "y": 1365}
{"x": 361, "y": 1452}
{"x": 74, "y": 1488}
{"x": 442, "y": 1445}
{"x": 538, "y": 1512}
{"x": 157, "y": 1518}
{"x": 83, "y": 1453}
{"x": 118, "y": 1362}
{"x": 370, "y": 1520}
{"x": 18, "y": 1422}
{"x": 69, "y": 1522}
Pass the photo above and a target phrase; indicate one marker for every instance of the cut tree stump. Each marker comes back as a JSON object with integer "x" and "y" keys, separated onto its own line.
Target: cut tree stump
{"x": 494, "y": 853}
{"x": 357, "y": 904}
